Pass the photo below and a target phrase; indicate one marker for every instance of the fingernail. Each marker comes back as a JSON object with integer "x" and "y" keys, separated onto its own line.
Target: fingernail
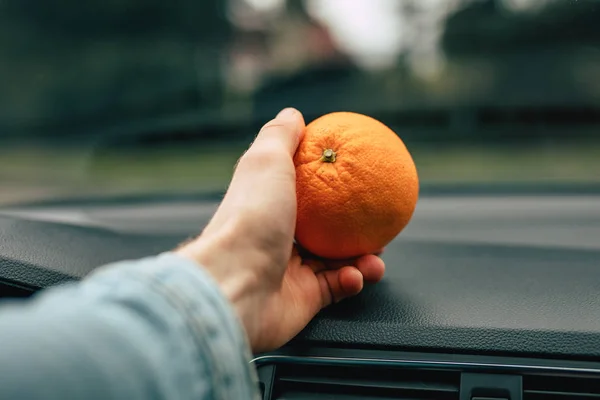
{"x": 287, "y": 113}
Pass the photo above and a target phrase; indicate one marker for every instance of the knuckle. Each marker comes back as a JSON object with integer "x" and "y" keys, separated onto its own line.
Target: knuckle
{"x": 262, "y": 156}
{"x": 274, "y": 126}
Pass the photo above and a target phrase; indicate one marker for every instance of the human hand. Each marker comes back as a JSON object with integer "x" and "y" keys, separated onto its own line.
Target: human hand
{"x": 248, "y": 246}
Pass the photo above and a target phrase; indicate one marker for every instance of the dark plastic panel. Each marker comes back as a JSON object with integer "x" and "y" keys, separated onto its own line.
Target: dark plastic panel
{"x": 439, "y": 297}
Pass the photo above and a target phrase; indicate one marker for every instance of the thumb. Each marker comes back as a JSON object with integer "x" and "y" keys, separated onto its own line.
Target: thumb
{"x": 264, "y": 177}
{"x": 283, "y": 131}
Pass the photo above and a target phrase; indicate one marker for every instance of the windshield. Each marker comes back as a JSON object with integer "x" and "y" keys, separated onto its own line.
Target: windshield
{"x": 154, "y": 97}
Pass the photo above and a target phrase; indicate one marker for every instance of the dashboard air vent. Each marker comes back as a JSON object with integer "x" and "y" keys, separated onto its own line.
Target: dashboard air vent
{"x": 349, "y": 382}
{"x": 560, "y": 387}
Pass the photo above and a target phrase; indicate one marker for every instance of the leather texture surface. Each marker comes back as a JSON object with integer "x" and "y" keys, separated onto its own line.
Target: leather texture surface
{"x": 39, "y": 254}
{"x": 473, "y": 298}
{"x": 438, "y": 295}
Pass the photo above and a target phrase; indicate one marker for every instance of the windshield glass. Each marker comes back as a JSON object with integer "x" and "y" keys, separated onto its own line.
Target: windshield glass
{"x": 154, "y": 97}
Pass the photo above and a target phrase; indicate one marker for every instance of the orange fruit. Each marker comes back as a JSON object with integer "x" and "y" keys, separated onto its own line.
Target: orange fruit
{"x": 356, "y": 183}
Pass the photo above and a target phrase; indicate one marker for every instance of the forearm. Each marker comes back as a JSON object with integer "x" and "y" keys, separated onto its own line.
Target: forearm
{"x": 155, "y": 328}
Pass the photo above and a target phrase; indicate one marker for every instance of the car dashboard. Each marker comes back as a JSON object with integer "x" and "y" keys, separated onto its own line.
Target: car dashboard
{"x": 485, "y": 296}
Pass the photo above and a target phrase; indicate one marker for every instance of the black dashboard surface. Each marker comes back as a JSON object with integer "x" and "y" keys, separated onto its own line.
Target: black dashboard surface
{"x": 506, "y": 275}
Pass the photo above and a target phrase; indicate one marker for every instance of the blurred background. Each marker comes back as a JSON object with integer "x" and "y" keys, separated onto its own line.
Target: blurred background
{"x": 125, "y": 97}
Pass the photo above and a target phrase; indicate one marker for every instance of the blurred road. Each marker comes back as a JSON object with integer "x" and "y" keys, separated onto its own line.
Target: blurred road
{"x": 35, "y": 174}
{"x": 544, "y": 221}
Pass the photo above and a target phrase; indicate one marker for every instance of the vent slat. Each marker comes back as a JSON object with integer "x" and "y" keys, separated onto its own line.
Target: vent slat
{"x": 567, "y": 395}
{"x": 293, "y": 391}
{"x": 355, "y": 382}
{"x": 364, "y": 383}
{"x": 560, "y": 387}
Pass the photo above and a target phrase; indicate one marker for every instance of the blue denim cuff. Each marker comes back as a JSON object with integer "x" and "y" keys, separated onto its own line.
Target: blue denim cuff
{"x": 218, "y": 339}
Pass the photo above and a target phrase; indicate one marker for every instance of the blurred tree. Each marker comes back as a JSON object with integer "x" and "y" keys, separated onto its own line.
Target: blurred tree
{"x": 488, "y": 27}
{"x": 532, "y": 57}
{"x": 84, "y": 20}
{"x": 69, "y": 65}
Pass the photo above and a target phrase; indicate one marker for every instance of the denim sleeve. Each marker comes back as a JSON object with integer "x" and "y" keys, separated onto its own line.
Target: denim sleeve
{"x": 156, "y": 328}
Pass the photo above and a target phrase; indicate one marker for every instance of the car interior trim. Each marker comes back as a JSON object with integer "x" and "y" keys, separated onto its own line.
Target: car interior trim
{"x": 419, "y": 363}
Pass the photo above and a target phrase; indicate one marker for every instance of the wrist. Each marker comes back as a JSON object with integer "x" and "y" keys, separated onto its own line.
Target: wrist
{"x": 237, "y": 281}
